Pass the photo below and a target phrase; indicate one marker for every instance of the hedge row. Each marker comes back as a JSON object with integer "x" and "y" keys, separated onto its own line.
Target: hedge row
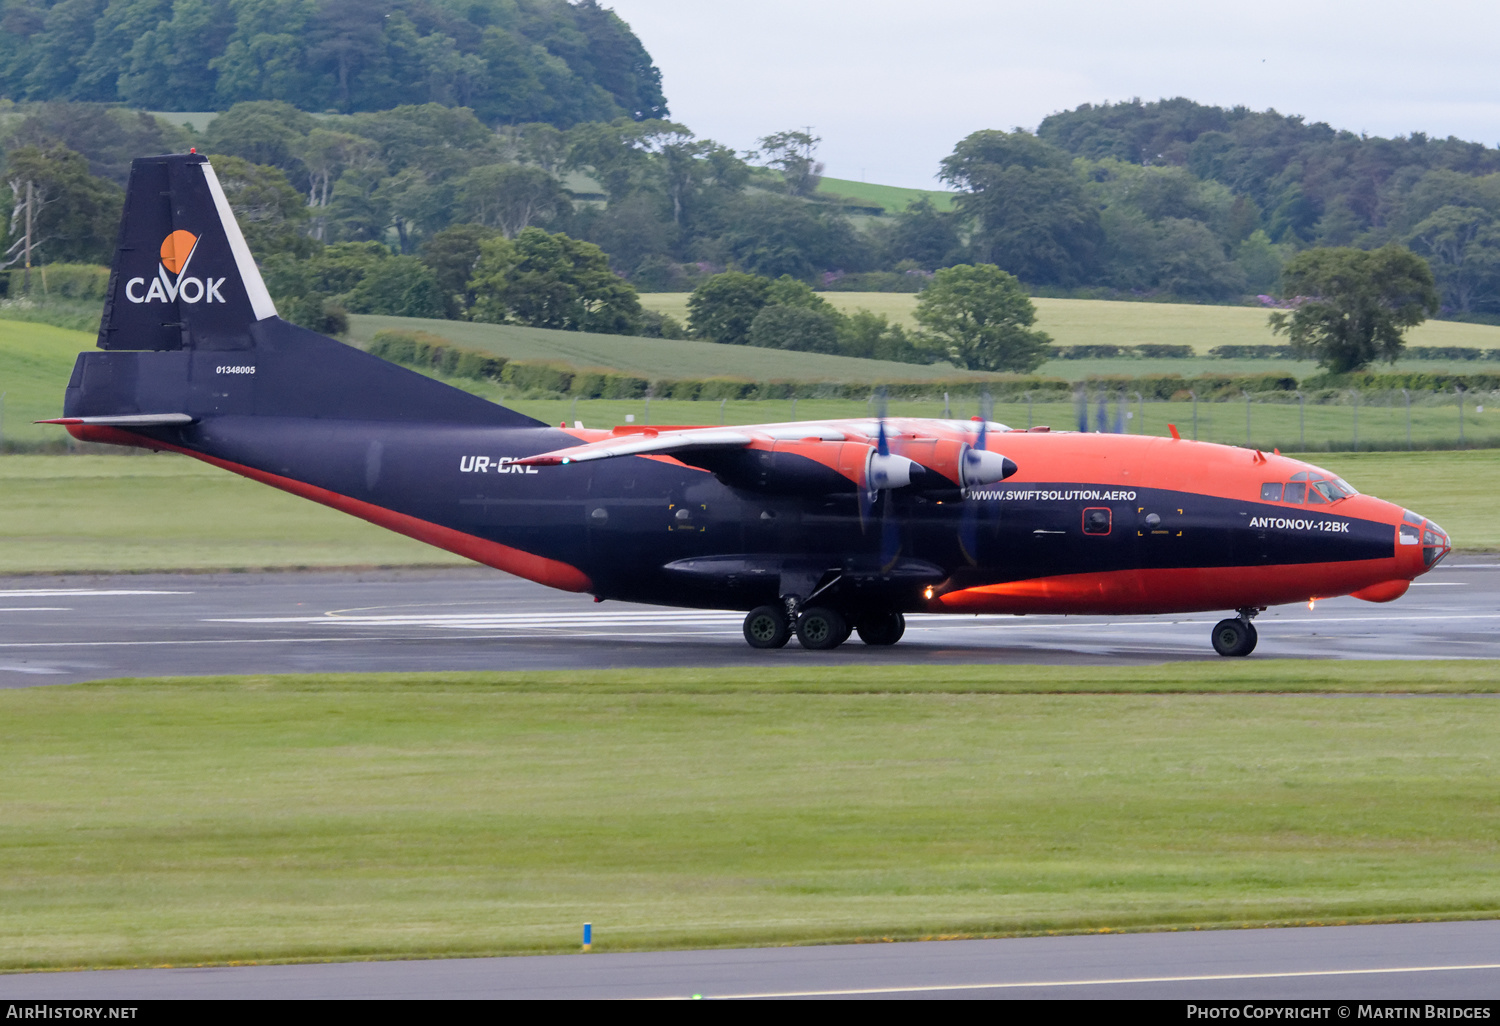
{"x": 433, "y": 352}
{"x": 66, "y": 281}
{"x": 1410, "y": 353}
{"x": 1418, "y": 381}
{"x": 1147, "y": 351}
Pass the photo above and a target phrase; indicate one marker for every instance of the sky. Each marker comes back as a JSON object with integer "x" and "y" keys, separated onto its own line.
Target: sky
{"x": 892, "y": 85}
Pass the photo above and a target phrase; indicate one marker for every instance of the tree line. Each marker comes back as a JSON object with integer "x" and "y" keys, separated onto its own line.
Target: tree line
{"x": 507, "y": 60}
{"x": 424, "y": 210}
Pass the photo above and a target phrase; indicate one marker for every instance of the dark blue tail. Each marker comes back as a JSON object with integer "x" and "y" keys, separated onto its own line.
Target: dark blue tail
{"x": 189, "y": 331}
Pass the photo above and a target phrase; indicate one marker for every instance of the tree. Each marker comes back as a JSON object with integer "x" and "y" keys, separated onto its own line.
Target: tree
{"x": 271, "y": 213}
{"x": 792, "y": 153}
{"x": 1029, "y": 211}
{"x": 1351, "y": 306}
{"x": 722, "y": 307}
{"x": 979, "y": 317}
{"x": 922, "y": 234}
{"x": 453, "y": 254}
{"x": 1462, "y": 244}
{"x": 802, "y": 328}
{"x": 400, "y": 286}
{"x": 873, "y": 337}
{"x": 776, "y": 235}
{"x": 74, "y": 216}
{"x": 510, "y": 197}
{"x": 551, "y": 281}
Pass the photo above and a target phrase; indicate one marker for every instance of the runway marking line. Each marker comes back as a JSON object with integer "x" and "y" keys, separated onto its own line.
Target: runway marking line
{"x": 58, "y": 592}
{"x": 1033, "y": 984}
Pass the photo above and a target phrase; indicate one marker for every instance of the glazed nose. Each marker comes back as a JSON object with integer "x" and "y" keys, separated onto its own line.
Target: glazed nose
{"x": 1416, "y": 529}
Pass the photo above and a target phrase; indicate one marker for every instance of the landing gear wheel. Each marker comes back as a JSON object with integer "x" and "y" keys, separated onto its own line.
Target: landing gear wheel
{"x": 882, "y": 628}
{"x": 821, "y": 628}
{"x": 766, "y": 627}
{"x": 1234, "y": 638}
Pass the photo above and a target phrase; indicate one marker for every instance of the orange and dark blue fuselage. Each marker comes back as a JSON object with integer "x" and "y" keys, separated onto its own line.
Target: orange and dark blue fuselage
{"x": 862, "y": 520}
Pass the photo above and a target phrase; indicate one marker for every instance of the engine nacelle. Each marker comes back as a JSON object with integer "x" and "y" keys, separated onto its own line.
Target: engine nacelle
{"x": 948, "y": 464}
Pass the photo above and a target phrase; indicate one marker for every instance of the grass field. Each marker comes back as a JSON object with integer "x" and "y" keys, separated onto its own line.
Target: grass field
{"x": 35, "y": 359}
{"x": 656, "y": 357}
{"x": 893, "y": 198}
{"x": 165, "y": 512}
{"x": 180, "y": 822}
{"x": 145, "y": 512}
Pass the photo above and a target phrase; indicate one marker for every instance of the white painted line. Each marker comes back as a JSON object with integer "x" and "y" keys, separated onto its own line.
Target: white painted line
{"x": 1439, "y": 584}
{"x": 35, "y": 609}
{"x": 54, "y": 592}
{"x": 1032, "y": 984}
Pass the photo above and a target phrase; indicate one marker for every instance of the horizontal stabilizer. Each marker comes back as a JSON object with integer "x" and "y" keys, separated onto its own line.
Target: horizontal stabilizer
{"x": 136, "y": 420}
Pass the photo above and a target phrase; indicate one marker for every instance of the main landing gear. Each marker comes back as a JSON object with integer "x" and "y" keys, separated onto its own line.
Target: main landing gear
{"x": 1237, "y": 636}
{"x": 820, "y": 627}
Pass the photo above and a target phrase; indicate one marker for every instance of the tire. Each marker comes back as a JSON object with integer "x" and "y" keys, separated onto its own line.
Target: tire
{"x": 1234, "y": 638}
{"x": 766, "y": 627}
{"x": 882, "y": 628}
{"x": 821, "y": 628}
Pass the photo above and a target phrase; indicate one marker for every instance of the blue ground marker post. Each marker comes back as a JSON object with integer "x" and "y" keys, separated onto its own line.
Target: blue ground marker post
{"x": 588, "y": 936}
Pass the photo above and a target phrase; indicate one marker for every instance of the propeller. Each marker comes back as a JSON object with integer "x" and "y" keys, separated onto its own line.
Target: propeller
{"x": 1081, "y": 403}
{"x": 968, "y": 525}
{"x": 886, "y": 473}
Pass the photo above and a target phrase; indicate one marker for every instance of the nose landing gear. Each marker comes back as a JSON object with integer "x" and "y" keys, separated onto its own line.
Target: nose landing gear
{"x": 1237, "y": 636}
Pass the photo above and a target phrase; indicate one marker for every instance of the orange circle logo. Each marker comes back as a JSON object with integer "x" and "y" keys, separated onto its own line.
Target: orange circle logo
{"x": 175, "y": 250}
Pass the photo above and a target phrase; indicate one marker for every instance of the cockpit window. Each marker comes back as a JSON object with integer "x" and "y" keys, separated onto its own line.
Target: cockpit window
{"x": 1315, "y": 496}
{"x": 1347, "y": 488}
{"x": 1328, "y": 490}
{"x": 1295, "y": 492}
{"x": 1302, "y": 475}
{"x": 1270, "y": 491}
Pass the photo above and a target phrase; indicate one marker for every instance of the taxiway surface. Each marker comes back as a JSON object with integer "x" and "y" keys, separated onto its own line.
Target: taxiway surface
{"x": 74, "y": 628}
{"x": 1415, "y": 961}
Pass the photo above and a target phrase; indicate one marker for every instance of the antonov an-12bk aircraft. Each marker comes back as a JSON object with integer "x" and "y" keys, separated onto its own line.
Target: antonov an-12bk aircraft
{"x": 817, "y": 528}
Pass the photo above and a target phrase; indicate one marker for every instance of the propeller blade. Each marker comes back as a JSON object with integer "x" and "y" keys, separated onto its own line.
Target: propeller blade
{"x": 1101, "y": 418}
{"x": 1120, "y": 414}
{"x": 1081, "y": 403}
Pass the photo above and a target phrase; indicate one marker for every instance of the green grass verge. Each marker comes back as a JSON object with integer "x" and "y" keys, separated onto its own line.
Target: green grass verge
{"x": 35, "y": 362}
{"x": 164, "y": 512}
{"x": 143, "y": 512}
{"x": 253, "y": 819}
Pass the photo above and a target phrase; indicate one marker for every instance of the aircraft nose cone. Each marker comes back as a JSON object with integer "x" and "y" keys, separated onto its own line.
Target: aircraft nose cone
{"x": 1416, "y": 530}
{"x": 981, "y": 467}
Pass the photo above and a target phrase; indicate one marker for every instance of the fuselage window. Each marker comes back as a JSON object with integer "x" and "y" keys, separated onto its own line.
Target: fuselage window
{"x": 1270, "y": 492}
{"x": 1096, "y": 521}
{"x": 1295, "y": 492}
{"x": 1410, "y": 534}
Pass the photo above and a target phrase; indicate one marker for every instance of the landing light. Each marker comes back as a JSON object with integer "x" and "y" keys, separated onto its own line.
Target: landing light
{"x": 928, "y": 592}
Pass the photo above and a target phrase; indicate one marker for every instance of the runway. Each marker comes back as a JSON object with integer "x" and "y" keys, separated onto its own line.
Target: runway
{"x": 56, "y": 630}
{"x": 1417, "y": 961}
{"x": 74, "y": 628}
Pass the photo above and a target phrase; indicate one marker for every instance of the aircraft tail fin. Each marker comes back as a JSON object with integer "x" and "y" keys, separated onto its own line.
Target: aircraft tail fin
{"x": 189, "y": 328}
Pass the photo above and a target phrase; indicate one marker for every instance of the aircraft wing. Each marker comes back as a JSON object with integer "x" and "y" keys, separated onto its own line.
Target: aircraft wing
{"x": 645, "y": 443}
